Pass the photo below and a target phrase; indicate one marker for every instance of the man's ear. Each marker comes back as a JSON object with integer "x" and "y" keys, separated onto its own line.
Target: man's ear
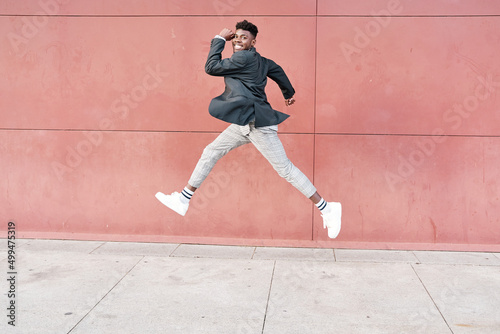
{"x": 253, "y": 42}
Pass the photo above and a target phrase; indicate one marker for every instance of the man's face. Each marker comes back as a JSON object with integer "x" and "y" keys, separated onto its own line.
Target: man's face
{"x": 243, "y": 40}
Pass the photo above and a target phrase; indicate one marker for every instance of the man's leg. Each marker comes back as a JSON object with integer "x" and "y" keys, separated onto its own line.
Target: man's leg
{"x": 228, "y": 140}
{"x": 269, "y": 145}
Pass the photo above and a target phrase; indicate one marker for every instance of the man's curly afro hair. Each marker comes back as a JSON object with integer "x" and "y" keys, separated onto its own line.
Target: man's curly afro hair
{"x": 248, "y": 26}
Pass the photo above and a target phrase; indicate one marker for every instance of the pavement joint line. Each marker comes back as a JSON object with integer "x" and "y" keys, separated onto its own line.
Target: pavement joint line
{"x": 268, "y": 297}
{"x": 432, "y": 299}
{"x": 106, "y": 294}
{"x": 334, "y": 255}
{"x": 254, "y": 250}
{"x": 418, "y": 260}
{"x": 172, "y": 252}
{"x": 21, "y": 244}
{"x": 92, "y": 251}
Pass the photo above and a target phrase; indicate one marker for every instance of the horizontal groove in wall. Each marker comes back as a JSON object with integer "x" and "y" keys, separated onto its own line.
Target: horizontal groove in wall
{"x": 255, "y": 15}
{"x": 280, "y": 132}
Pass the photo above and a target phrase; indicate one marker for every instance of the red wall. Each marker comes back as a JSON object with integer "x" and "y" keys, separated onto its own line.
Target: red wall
{"x": 397, "y": 116}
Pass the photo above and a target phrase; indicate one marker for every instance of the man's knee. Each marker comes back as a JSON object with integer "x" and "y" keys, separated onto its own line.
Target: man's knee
{"x": 284, "y": 169}
{"x": 212, "y": 152}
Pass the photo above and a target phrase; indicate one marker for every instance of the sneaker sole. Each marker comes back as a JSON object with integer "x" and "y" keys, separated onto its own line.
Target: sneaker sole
{"x": 164, "y": 200}
{"x": 332, "y": 234}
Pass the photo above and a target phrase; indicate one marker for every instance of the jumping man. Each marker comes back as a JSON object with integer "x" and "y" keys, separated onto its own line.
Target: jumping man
{"x": 244, "y": 104}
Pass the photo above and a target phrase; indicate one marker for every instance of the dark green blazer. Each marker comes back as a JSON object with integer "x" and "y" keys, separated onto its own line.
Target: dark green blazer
{"x": 245, "y": 75}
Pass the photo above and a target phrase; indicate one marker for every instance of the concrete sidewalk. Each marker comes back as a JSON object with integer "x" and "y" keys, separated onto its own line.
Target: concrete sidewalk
{"x": 109, "y": 287}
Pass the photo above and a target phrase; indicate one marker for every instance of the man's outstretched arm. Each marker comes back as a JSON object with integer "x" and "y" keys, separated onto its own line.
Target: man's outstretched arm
{"x": 217, "y": 66}
{"x": 277, "y": 74}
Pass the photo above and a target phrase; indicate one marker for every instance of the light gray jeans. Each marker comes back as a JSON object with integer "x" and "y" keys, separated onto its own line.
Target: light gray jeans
{"x": 266, "y": 140}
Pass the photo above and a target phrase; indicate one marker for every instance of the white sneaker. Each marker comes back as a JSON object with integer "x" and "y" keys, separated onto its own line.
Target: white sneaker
{"x": 173, "y": 202}
{"x": 332, "y": 219}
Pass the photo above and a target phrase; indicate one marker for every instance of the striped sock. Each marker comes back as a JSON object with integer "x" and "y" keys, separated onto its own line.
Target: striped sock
{"x": 322, "y": 204}
{"x": 186, "y": 195}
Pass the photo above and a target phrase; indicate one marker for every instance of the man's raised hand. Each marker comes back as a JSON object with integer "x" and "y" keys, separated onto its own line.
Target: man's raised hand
{"x": 228, "y": 34}
{"x": 289, "y": 101}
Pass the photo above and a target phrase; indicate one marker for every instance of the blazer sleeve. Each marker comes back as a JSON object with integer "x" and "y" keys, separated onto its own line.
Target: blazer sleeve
{"x": 217, "y": 66}
{"x": 277, "y": 74}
